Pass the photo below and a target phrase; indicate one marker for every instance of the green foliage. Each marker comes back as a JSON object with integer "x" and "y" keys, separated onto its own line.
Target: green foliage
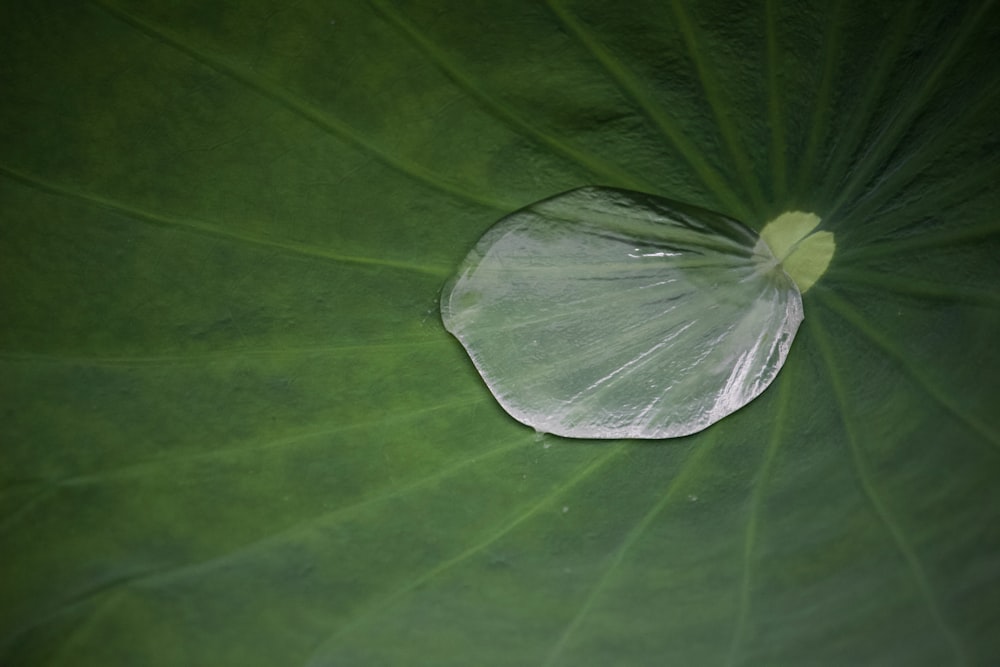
{"x": 235, "y": 432}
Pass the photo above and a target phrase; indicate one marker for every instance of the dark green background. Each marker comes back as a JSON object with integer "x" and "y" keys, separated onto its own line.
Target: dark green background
{"x": 234, "y": 431}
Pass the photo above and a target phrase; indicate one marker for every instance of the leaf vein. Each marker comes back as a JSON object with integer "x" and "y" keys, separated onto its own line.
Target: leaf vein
{"x": 620, "y": 554}
{"x": 502, "y": 110}
{"x": 629, "y": 84}
{"x": 779, "y": 168}
{"x": 889, "y": 137}
{"x": 303, "y": 109}
{"x": 232, "y": 355}
{"x": 107, "y": 594}
{"x": 898, "y": 247}
{"x": 719, "y": 105}
{"x": 905, "y": 285}
{"x": 150, "y": 466}
{"x": 864, "y": 476}
{"x": 821, "y": 110}
{"x": 753, "y": 518}
{"x": 214, "y": 231}
{"x": 853, "y": 135}
{"x": 388, "y": 600}
{"x": 852, "y": 316}
{"x": 910, "y": 166}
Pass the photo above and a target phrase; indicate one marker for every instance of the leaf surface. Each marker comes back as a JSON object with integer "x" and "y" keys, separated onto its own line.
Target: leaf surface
{"x": 235, "y": 432}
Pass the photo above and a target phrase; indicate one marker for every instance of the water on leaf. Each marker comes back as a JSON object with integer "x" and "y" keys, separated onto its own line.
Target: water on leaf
{"x": 605, "y": 313}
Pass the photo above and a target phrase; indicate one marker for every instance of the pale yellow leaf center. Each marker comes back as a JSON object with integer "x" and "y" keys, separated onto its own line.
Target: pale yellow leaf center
{"x": 802, "y": 253}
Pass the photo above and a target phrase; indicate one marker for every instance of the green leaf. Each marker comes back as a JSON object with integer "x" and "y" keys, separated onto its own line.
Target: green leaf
{"x": 603, "y": 313}
{"x": 235, "y": 432}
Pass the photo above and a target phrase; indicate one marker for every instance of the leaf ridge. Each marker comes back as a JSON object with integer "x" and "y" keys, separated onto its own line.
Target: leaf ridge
{"x": 753, "y": 517}
{"x": 968, "y": 234}
{"x": 16, "y": 515}
{"x": 958, "y": 190}
{"x": 690, "y": 464}
{"x": 97, "y": 593}
{"x": 848, "y": 313}
{"x": 210, "y": 230}
{"x": 822, "y": 107}
{"x": 304, "y": 110}
{"x": 888, "y": 139}
{"x": 853, "y": 135}
{"x": 668, "y": 128}
{"x": 158, "y": 576}
{"x": 860, "y": 466}
{"x": 221, "y": 356}
{"x": 325, "y": 519}
{"x": 143, "y": 468}
{"x": 388, "y": 600}
{"x": 779, "y": 168}
{"x": 911, "y": 166}
{"x": 502, "y": 110}
{"x": 916, "y": 287}
{"x": 719, "y": 106}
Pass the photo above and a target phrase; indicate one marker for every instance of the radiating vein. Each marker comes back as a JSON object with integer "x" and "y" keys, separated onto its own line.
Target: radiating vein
{"x": 208, "y": 229}
{"x": 14, "y": 516}
{"x": 881, "y": 509}
{"x": 303, "y": 109}
{"x": 519, "y": 517}
{"x": 687, "y": 469}
{"x": 753, "y": 516}
{"x": 107, "y": 593}
{"x": 504, "y": 111}
{"x": 887, "y": 344}
{"x": 929, "y": 241}
{"x": 907, "y": 111}
{"x": 822, "y": 107}
{"x": 897, "y": 176}
{"x": 153, "y": 466}
{"x": 330, "y": 518}
{"x": 864, "y": 105}
{"x": 218, "y": 356}
{"x": 943, "y": 200}
{"x": 720, "y": 106}
{"x": 99, "y": 593}
{"x": 104, "y": 599}
{"x": 779, "y": 169}
{"x": 916, "y": 287}
{"x": 635, "y": 89}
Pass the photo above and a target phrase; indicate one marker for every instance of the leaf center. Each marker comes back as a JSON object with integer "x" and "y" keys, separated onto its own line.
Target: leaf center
{"x": 803, "y": 254}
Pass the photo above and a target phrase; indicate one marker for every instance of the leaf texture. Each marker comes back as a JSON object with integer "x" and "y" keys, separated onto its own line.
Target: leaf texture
{"x": 234, "y": 431}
